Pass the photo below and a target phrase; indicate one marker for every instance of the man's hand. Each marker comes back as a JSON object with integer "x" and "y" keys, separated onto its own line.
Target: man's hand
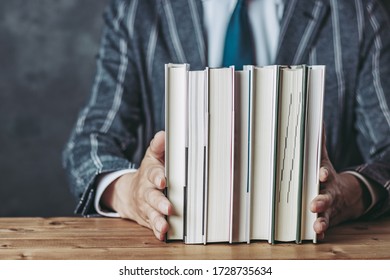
{"x": 342, "y": 197}
{"x": 138, "y": 196}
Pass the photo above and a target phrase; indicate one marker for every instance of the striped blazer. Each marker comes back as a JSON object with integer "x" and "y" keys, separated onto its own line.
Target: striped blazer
{"x": 126, "y": 106}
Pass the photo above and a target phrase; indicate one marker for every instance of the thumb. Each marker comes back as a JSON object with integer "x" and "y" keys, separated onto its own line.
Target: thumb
{"x": 324, "y": 151}
{"x": 326, "y": 166}
{"x": 157, "y": 146}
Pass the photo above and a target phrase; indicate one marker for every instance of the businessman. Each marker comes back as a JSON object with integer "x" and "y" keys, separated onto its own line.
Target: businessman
{"x": 115, "y": 155}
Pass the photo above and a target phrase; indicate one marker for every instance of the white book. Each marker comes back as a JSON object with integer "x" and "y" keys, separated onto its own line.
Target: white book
{"x": 263, "y": 133}
{"x": 175, "y": 145}
{"x": 314, "y": 115}
{"x": 220, "y": 157}
{"x": 291, "y": 115}
{"x": 197, "y": 157}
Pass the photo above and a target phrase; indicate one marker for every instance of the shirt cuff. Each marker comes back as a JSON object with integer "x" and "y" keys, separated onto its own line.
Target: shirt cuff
{"x": 104, "y": 181}
{"x": 370, "y": 187}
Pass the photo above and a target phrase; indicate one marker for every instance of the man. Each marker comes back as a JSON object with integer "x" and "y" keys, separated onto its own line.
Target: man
{"x": 106, "y": 160}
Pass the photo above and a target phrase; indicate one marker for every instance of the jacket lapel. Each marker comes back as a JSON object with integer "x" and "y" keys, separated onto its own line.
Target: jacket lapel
{"x": 299, "y": 28}
{"x": 182, "y": 25}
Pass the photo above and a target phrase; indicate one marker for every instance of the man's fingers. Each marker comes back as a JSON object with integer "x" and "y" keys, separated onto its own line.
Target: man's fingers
{"x": 324, "y": 151}
{"x": 321, "y": 225}
{"x": 158, "y": 223}
{"x": 326, "y": 168}
{"x": 158, "y": 201}
{"x": 326, "y": 165}
{"x": 321, "y": 203}
{"x": 155, "y": 175}
{"x": 157, "y": 146}
{"x": 324, "y": 173}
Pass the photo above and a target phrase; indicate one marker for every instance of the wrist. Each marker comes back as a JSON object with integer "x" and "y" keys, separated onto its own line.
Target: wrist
{"x": 108, "y": 197}
{"x": 112, "y": 196}
{"x": 362, "y": 197}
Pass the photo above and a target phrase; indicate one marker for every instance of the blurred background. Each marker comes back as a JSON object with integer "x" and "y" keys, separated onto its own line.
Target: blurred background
{"x": 47, "y": 65}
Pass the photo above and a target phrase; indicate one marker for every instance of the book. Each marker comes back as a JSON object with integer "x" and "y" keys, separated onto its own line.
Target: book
{"x": 264, "y": 89}
{"x": 220, "y": 155}
{"x": 312, "y": 157}
{"x": 289, "y": 153}
{"x": 197, "y": 156}
{"x": 176, "y": 80}
{"x": 247, "y": 150}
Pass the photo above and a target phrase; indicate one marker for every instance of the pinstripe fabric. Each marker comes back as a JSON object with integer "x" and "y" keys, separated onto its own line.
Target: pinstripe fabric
{"x": 288, "y": 13}
{"x": 338, "y": 61}
{"x": 360, "y": 18}
{"x": 376, "y": 66}
{"x": 118, "y": 89}
{"x": 313, "y": 57}
{"x": 198, "y": 30}
{"x": 94, "y": 154}
{"x": 173, "y": 31}
{"x": 152, "y": 48}
{"x": 131, "y": 17}
{"x": 126, "y": 106}
{"x": 308, "y": 32}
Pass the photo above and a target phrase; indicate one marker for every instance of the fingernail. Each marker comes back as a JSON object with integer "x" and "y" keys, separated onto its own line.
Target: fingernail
{"x": 158, "y": 181}
{"x": 163, "y": 207}
{"x": 325, "y": 171}
{"x": 323, "y": 174}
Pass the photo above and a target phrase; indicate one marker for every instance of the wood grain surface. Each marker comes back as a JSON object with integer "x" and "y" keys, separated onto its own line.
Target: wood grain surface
{"x": 110, "y": 239}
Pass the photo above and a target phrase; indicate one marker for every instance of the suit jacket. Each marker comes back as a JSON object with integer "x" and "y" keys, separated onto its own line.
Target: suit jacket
{"x": 126, "y": 107}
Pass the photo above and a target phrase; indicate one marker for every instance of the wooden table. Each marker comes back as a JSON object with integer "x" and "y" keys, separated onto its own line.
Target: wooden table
{"x": 105, "y": 238}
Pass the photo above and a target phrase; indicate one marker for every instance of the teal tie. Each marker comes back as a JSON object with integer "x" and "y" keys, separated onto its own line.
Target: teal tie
{"x": 239, "y": 48}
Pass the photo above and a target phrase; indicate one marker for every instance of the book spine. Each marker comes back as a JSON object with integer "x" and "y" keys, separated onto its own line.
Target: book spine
{"x": 206, "y": 158}
{"x": 249, "y": 163}
{"x": 302, "y": 156}
{"x": 274, "y": 191}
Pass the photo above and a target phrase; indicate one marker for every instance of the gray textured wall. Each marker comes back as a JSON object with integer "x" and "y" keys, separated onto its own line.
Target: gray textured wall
{"x": 47, "y": 64}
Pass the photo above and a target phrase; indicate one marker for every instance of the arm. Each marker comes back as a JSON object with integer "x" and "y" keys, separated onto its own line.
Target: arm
{"x": 344, "y": 196}
{"x": 105, "y": 131}
{"x": 106, "y": 137}
{"x": 373, "y": 105}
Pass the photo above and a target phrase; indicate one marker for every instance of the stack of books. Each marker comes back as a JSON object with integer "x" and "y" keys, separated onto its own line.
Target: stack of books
{"x": 243, "y": 152}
